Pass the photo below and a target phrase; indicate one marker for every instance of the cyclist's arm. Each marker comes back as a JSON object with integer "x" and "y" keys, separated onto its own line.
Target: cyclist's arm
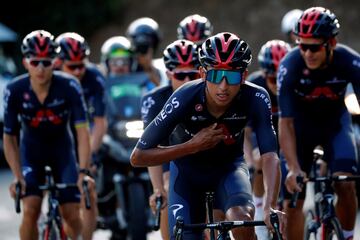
{"x": 97, "y": 133}
{"x": 156, "y": 177}
{"x": 287, "y": 141}
{"x": 271, "y": 175}
{"x": 12, "y": 155}
{"x": 83, "y": 138}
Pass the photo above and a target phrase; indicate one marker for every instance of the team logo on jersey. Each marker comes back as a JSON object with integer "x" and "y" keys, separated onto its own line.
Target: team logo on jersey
{"x": 229, "y": 139}
{"x": 235, "y": 117}
{"x": 175, "y": 208}
{"x": 168, "y": 108}
{"x": 264, "y": 97}
{"x": 356, "y": 63}
{"x": 324, "y": 92}
{"x": 306, "y": 71}
{"x": 56, "y": 102}
{"x": 146, "y": 105}
{"x": 199, "y": 107}
{"x": 43, "y": 116}
{"x": 26, "y": 96}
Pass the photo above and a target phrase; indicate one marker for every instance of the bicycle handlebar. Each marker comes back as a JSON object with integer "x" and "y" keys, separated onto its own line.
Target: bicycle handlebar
{"x": 301, "y": 180}
{"x": 158, "y": 201}
{"x": 224, "y": 225}
{"x": 17, "y": 197}
{"x": 87, "y": 194}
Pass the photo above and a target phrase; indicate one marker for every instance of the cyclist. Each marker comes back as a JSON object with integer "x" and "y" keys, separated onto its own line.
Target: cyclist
{"x": 44, "y": 100}
{"x": 195, "y": 28}
{"x": 210, "y": 116}
{"x": 181, "y": 61}
{"x": 288, "y": 23}
{"x": 74, "y": 52}
{"x": 116, "y": 56}
{"x": 269, "y": 59}
{"x": 144, "y": 34}
{"x": 312, "y": 82}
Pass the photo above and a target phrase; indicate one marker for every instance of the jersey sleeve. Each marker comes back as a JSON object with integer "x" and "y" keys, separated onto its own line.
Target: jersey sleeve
{"x": 99, "y": 96}
{"x": 285, "y": 89}
{"x": 77, "y": 105}
{"x": 351, "y": 62}
{"x": 162, "y": 125}
{"x": 149, "y": 108}
{"x": 11, "y": 111}
{"x": 261, "y": 122}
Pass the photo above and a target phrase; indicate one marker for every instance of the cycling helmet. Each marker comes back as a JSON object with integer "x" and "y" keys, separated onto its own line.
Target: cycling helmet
{"x": 271, "y": 53}
{"x": 289, "y": 20}
{"x": 144, "y": 33}
{"x": 194, "y": 28}
{"x": 317, "y": 22}
{"x": 225, "y": 50}
{"x": 39, "y": 43}
{"x": 73, "y": 46}
{"x": 181, "y": 53}
{"x": 118, "y": 46}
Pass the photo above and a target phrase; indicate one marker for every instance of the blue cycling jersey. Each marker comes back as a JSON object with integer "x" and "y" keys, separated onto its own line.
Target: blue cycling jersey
{"x": 93, "y": 84}
{"x": 45, "y": 129}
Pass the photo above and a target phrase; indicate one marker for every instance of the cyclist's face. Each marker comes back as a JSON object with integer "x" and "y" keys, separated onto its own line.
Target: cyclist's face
{"x": 40, "y": 69}
{"x": 313, "y": 50}
{"x": 181, "y": 75}
{"x": 221, "y": 94}
{"x": 119, "y": 65}
{"x": 75, "y": 68}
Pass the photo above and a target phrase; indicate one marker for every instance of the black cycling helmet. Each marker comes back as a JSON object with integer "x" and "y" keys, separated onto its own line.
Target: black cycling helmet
{"x": 39, "y": 43}
{"x": 194, "y": 28}
{"x": 117, "y": 46}
{"x": 73, "y": 46}
{"x": 144, "y": 33}
{"x": 225, "y": 50}
{"x": 181, "y": 53}
{"x": 271, "y": 54}
{"x": 317, "y": 22}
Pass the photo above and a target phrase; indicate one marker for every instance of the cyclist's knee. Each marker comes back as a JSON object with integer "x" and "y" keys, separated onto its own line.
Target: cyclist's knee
{"x": 345, "y": 189}
{"x": 245, "y": 213}
{"x": 71, "y": 213}
{"x": 31, "y": 209}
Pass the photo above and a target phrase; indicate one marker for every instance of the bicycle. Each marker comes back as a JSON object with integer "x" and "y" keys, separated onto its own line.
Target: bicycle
{"x": 53, "y": 229}
{"x": 322, "y": 223}
{"x": 223, "y": 227}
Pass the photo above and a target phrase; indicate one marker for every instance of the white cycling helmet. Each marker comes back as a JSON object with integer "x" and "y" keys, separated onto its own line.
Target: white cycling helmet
{"x": 289, "y": 20}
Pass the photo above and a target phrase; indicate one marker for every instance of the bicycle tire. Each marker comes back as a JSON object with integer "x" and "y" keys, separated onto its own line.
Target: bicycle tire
{"x": 137, "y": 224}
{"x": 310, "y": 229}
{"x": 333, "y": 230}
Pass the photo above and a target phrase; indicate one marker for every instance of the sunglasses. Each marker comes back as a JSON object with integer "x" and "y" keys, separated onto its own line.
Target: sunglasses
{"x": 181, "y": 75}
{"x": 216, "y": 76}
{"x": 312, "y": 47}
{"x": 43, "y": 62}
{"x": 73, "y": 67}
{"x": 119, "y": 62}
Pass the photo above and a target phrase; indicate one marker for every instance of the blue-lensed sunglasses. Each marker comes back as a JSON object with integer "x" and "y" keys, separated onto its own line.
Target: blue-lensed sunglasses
{"x": 216, "y": 76}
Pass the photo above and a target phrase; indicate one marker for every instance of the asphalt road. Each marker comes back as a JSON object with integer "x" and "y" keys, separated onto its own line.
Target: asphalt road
{"x": 9, "y": 220}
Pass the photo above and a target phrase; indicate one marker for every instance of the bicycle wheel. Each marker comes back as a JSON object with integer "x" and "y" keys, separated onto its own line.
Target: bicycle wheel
{"x": 333, "y": 230}
{"x": 138, "y": 221}
{"x": 310, "y": 227}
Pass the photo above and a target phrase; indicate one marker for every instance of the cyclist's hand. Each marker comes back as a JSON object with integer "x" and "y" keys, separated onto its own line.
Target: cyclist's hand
{"x": 207, "y": 137}
{"x": 152, "y": 199}
{"x": 282, "y": 221}
{"x": 12, "y": 187}
{"x": 290, "y": 182}
{"x": 91, "y": 183}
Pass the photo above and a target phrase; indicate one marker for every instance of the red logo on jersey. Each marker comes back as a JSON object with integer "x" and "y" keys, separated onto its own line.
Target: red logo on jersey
{"x": 45, "y": 115}
{"x": 229, "y": 139}
{"x": 322, "y": 91}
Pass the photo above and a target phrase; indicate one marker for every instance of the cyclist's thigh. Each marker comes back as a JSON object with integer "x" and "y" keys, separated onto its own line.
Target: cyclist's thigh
{"x": 341, "y": 153}
{"x": 185, "y": 200}
{"x": 234, "y": 188}
{"x": 65, "y": 171}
